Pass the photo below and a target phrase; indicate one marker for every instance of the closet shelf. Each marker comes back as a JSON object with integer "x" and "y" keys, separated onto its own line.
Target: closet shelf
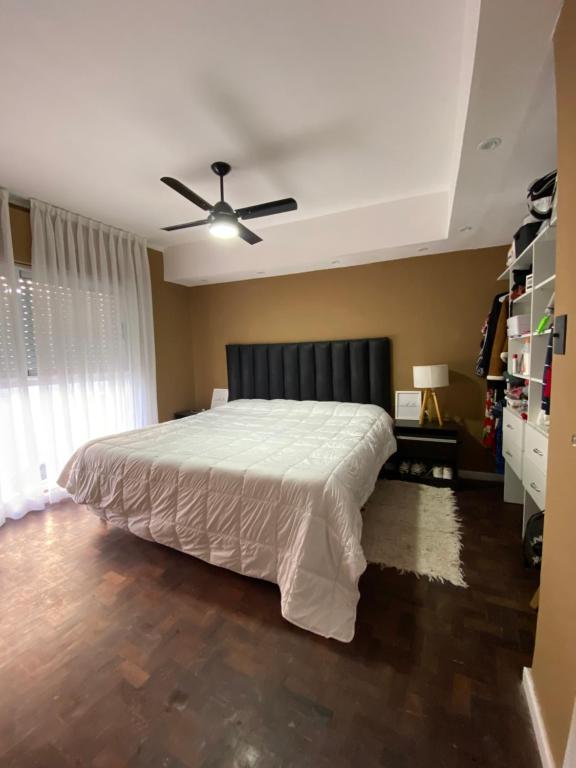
{"x": 527, "y": 254}
{"x": 543, "y": 283}
{"x": 521, "y": 298}
{"x": 539, "y": 257}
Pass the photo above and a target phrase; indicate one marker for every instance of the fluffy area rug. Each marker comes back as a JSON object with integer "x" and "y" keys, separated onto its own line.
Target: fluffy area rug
{"x": 415, "y": 528}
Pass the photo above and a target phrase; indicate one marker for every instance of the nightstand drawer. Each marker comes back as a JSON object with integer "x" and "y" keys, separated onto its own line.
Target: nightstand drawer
{"x": 513, "y": 429}
{"x": 535, "y": 482}
{"x": 427, "y": 448}
{"x": 513, "y": 455}
{"x": 536, "y": 447}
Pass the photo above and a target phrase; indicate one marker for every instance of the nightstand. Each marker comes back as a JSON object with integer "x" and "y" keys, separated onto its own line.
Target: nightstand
{"x": 184, "y": 414}
{"x": 429, "y": 443}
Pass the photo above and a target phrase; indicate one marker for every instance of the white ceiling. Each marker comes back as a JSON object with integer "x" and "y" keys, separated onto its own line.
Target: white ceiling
{"x": 368, "y": 113}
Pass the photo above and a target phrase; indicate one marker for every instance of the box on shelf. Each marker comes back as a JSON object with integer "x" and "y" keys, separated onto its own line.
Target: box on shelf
{"x": 518, "y": 325}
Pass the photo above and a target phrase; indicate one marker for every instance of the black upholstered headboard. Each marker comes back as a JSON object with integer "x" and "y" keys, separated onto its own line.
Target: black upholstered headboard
{"x": 356, "y": 371}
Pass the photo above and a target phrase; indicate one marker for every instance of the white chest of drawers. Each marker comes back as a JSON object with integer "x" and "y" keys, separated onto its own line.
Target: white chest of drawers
{"x": 525, "y": 450}
{"x": 513, "y": 441}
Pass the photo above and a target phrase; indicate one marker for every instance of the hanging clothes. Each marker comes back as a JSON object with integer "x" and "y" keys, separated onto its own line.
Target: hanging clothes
{"x": 488, "y": 334}
{"x": 489, "y": 427}
{"x": 547, "y": 375}
{"x": 498, "y": 453}
{"x": 500, "y": 343}
{"x": 492, "y": 430}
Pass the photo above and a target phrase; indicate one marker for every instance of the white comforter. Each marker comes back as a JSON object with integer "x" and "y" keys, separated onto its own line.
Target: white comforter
{"x": 271, "y": 489}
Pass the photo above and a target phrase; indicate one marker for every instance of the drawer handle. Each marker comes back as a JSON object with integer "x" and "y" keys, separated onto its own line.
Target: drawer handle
{"x": 537, "y": 451}
{"x": 508, "y": 453}
{"x": 535, "y": 487}
{"x": 509, "y": 426}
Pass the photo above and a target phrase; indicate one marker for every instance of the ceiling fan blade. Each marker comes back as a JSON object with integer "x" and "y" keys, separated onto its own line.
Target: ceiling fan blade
{"x": 247, "y": 235}
{"x": 185, "y": 226}
{"x": 267, "y": 209}
{"x": 183, "y": 190}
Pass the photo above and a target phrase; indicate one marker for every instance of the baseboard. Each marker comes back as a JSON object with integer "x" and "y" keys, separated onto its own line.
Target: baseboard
{"x": 537, "y": 720}
{"x": 485, "y": 477}
{"x": 570, "y": 754}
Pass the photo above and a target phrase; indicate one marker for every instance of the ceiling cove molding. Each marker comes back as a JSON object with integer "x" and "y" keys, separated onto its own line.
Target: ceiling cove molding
{"x": 298, "y": 246}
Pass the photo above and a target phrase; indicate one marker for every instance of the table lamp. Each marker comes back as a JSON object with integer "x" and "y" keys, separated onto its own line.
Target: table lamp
{"x": 429, "y": 378}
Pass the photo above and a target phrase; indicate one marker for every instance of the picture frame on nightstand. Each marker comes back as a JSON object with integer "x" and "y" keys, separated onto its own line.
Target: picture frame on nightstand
{"x": 408, "y": 405}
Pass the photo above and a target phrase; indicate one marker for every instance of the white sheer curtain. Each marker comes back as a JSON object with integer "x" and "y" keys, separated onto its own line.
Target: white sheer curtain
{"x": 76, "y": 348}
{"x": 93, "y": 328}
{"x": 21, "y": 487}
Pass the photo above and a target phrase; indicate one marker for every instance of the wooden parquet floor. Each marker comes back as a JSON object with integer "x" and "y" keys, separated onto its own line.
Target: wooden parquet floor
{"x": 119, "y": 653}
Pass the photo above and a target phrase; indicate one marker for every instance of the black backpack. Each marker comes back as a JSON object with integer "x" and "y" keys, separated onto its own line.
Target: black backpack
{"x": 540, "y": 196}
{"x": 533, "y": 541}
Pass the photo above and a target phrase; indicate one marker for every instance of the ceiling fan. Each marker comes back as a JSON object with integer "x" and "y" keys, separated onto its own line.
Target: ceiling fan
{"x": 223, "y": 220}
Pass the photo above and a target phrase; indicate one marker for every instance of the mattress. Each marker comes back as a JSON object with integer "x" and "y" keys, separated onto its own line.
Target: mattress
{"x": 267, "y": 488}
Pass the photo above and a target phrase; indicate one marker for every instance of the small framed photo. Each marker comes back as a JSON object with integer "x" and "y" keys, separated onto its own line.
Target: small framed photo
{"x": 408, "y": 405}
{"x": 219, "y": 397}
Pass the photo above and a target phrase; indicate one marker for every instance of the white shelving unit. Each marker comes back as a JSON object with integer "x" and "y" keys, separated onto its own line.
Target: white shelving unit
{"x": 525, "y": 442}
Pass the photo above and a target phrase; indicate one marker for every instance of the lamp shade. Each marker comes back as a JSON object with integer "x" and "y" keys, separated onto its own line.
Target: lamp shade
{"x": 430, "y": 376}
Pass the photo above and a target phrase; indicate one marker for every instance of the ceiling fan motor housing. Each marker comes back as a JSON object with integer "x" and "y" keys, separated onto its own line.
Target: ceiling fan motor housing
{"x": 220, "y": 168}
{"x": 222, "y": 212}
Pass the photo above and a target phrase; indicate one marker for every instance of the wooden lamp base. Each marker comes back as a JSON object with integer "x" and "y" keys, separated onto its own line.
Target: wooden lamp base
{"x": 429, "y": 398}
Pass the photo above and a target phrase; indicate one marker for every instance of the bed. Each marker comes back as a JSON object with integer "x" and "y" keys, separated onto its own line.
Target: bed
{"x": 270, "y": 487}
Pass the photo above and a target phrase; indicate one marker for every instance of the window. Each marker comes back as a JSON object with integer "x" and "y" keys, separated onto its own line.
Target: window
{"x": 103, "y": 318}
{"x": 24, "y": 292}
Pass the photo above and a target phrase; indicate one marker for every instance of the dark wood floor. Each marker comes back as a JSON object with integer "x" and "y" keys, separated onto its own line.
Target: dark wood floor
{"x": 117, "y": 652}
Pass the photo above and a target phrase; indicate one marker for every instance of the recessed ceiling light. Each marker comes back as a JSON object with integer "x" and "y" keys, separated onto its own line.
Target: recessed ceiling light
{"x": 466, "y": 229}
{"x": 492, "y": 143}
{"x": 422, "y": 250}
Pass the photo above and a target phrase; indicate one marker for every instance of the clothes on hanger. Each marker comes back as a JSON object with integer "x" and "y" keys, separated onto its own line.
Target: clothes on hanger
{"x": 488, "y": 334}
{"x": 489, "y": 427}
{"x": 492, "y": 430}
{"x": 547, "y": 375}
{"x": 498, "y": 411}
{"x": 500, "y": 343}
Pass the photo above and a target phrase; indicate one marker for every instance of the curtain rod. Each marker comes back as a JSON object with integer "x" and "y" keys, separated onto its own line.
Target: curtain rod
{"x": 21, "y": 202}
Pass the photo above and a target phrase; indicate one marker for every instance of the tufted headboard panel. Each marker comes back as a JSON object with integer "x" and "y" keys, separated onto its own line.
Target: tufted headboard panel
{"x": 350, "y": 371}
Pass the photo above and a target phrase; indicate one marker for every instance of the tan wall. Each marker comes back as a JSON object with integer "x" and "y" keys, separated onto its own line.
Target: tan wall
{"x": 554, "y": 666}
{"x": 173, "y": 340}
{"x": 172, "y": 329}
{"x": 21, "y": 234}
{"x": 432, "y": 307}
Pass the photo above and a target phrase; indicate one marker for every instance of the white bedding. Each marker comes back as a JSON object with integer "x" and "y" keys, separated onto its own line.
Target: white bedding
{"x": 271, "y": 489}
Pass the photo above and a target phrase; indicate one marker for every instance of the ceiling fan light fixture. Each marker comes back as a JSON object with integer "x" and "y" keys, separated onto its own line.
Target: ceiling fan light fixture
{"x": 224, "y": 227}
{"x": 223, "y": 221}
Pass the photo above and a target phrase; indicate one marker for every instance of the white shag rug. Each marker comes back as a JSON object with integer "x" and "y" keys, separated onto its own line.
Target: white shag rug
{"x": 415, "y": 528}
